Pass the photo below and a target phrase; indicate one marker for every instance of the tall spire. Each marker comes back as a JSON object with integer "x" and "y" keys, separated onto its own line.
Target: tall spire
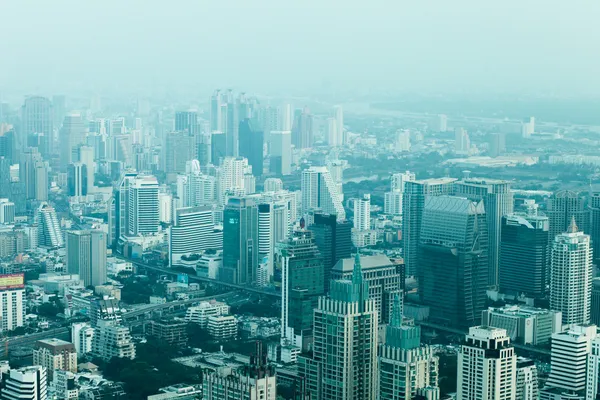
{"x": 396, "y": 317}
{"x": 357, "y": 276}
{"x": 573, "y": 226}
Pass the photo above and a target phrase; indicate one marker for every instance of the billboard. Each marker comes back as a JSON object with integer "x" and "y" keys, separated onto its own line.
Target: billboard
{"x": 12, "y": 281}
{"x": 183, "y": 278}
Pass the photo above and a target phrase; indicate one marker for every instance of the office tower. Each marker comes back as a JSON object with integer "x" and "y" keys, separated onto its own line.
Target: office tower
{"x": 266, "y": 240}
{"x": 59, "y": 109}
{"x": 49, "y": 233}
{"x": 439, "y": 123}
{"x": 179, "y": 149}
{"x": 215, "y": 111}
{"x": 229, "y": 123}
{"x": 81, "y": 337}
{"x": 406, "y": 368}
{"x": 112, "y": 340}
{"x": 453, "y": 260}
{"x": 204, "y": 148}
{"x": 385, "y": 279}
{"x": 462, "y": 143}
{"x": 12, "y": 301}
{"x": 256, "y": 381}
{"x": 487, "y": 366}
{"x": 571, "y": 273}
{"x": 336, "y": 170}
{"x": 497, "y": 143}
{"x": 569, "y": 357}
{"x": 594, "y": 231}
{"x": 333, "y": 140}
{"x": 233, "y": 177}
{"x": 26, "y": 383}
{"x": 413, "y": 202}
{"x": 302, "y": 284}
{"x": 285, "y": 118}
{"x": 595, "y": 313}
{"x": 40, "y": 171}
{"x": 86, "y": 256}
{"x": 143, "y": 205}
{"x": 251, "y": 146}
{"x": 7, "y": 211}
{"x": 527, "y": 387}
{"x": 524, "y": 258}
{"x": 118, "y": 220}
{"x": 333, "y": 238}
{"x": 193, "y": 232}
{"x": 319, "y": 192}
{"x": 561, "y": 208}
{"x": 240, "y": 241}
{"x": 498, "y": 201}
{"x": 31, "y": 160}
{"x": 338, "y": 115}
{"x": 36, "y": 119}
{"x": 302, "y": 130}
{"x": 273, "y": 185}
{"x": 281, "y": 152}
{"x": 187, "y": 121}
{"x": 55, "y": 354}
{"x": 347, "y": 317}
{"x": 72, "y": 134}
{"x": 77, "y": 183}
{"x": 593, "y": 371}
{"x": 86, "y": 157}
{"x": 362, "y": 213}
{"x": 7, "y": 145}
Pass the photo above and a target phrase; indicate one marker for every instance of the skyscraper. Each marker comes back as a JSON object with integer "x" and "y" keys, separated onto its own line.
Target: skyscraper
{"x": 362, "y": 213}
{"x": 72, "y": 134}
{"x": 187, "y": 121}
{"x": 33, "y": 173}
{"x": 453, "y": 260}
{"x": 462, "y": 143}
{"x": 302, "y": 130}
{"x": 231, "y": 177}
{"x": 302, "y": 284}
{"x": 142, "y": 203}
{"x": 251, "y": 146}
{"x": 595, "y": 222}
{"x": 240, "y": 241}
{"x": 571, "y": 273}
{"x": 487, "y": 366}
{"x": 406, "y": 368}
{"x": 49, "y": 232}
{"x": 193, "y": 232}
{"x": 281, "y": 152}
{"x": 320, "y": 192}
{"x": 77, "y": 179}
{"x": 86, "y": 256}
{"x": 413, "y": 202}
{"x": 338, "y": 115}
{"x": 333, "y": 238}
{"x": 561, "y": 208}
{"x": 348, "y": 318}
{"x": 215, "y": 111}
{"x": 524, "y": 258}
{"x": 36, "y": 115}
{"x": 179, "y": 149}
{"x": 218, "y": 147}
{"x": 498, "y": 201}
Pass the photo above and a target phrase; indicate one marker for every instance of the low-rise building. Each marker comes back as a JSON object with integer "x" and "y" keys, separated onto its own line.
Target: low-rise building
{"x": 55, "y": 354}
{"x": 526, "y": 325}
{"x": 112, "y": 340}
{"x": 223, "y": 327}
{"x": 200, "y": 313}
{"x": 169, "y": 330}
{"x": 178, "y": 391}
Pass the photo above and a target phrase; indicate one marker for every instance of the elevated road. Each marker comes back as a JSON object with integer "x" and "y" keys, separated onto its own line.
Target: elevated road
{"x": 170, "y": 305}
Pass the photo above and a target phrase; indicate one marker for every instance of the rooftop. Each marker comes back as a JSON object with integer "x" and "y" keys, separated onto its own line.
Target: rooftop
{"x": 367, "y": 262}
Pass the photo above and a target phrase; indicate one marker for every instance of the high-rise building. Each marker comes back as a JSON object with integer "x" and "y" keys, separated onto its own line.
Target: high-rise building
{"x": 569, "y": 357}
{"x": 49, "y": 232}
{"x": 251, "y": 146}
{"x": 453, "y": 260}
{"x": 256, "y": 381}
{"x": 302, "y": 130}
{"x": 240, "y": 241}
{"x": 362, "y": 213}
{"x": 281, "y": 152}
{"x": 77, "y": 179}
{"x": 118, "y": 210}
{"x": 7, "y": 211}
{"x": 487, "y": 366}
{"x": 385, "y": 279}
{"x": 338, "y": 115}
{"x": 595, "y": 314}
{"x": 112, "y": 340}
{"x": 398, "y": 180}
{"x": 594, "y": 231}
{"x": 413, "y": 203}
{"x": 302, "y": 284}
{"x": 571, "y": 273}
{"x": 12, "y": 301}
{"x": 33, "y": 172}
{"x": 347, "y": 317}
{"x": 215, "y": 112}
{"x": 187, "y": 121}
{"x": 593, "y": 371}
{"x": 218, "y": 147}
{"x": 195, "y": 188}
{"x": 498, "y": 201}
{"x": 406, "y": 369}
{"x": 320, "y": 192}
{"x": 143, "y": 210}
{"x": 72, "y": 135}
{"x": 86, "y": 256}
{"x": 81, "y": 336}
{"x": 392, "y": 203}
{"x": 86, "y": 157}
{"x": 192, "y": 233}
{"x": 561, "y": 208}
{"x": 37, "y": 119}
{"x": 55, "y": 354}
{"x": 527, "y": 387}
{"x": 524, "y": 259}
{"x": 231, "y": 175}
{"x": 26, "y": 383}
{"x": 462, "y": 143}
{"x": 333, "y": 238}
{"x": 179, "y": 149}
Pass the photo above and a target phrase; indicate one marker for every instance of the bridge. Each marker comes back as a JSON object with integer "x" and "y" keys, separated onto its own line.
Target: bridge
{"x": 215, "y": 282}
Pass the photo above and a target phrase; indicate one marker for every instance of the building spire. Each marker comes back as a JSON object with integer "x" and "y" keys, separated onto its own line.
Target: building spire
{"x": 573, "y": 226}
{"x": 396, "y": 318}
{"x": 357, "y": 276}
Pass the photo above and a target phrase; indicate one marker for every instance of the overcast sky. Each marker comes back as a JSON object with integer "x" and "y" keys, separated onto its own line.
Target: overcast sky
{"x": 430, "y": 45}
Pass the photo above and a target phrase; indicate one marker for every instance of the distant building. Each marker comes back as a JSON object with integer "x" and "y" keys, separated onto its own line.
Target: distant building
{"x": 143, "y": 209}
{"x": 251, "y": 144}
{"x": 240, "y": 241}
{"x": 561, "y": 208}
{"x": 526, "y": 325}
{"x": 49, "y": 232}
{"x": 86, "y": 256}
{"x": 55, "y": 354}
{"x": 170, "y": 331}
{"x": 320, "y": 192}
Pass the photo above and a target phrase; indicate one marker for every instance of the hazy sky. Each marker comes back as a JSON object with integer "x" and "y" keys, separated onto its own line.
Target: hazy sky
{"x": 431, "y": 45}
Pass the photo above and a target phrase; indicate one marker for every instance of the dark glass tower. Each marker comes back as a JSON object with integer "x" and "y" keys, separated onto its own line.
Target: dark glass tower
{"x": 218, "y": 147}
{"x": 453, "y": 260}
{"x": 251, "y": 146}
{"x": 524, "y": 254}
{"x": 186, "y": 121}
{"x": 240, "y": 241}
